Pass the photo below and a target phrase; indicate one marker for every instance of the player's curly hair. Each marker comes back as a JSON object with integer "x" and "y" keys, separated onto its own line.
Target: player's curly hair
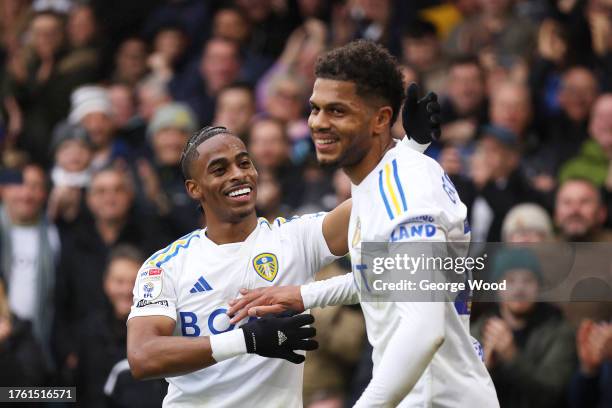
{"x": 373, "y": 70}
{"x": 190, "y": 151}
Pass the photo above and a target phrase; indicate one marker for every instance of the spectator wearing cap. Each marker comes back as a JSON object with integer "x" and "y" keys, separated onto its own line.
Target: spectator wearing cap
{"x": 161, "y": 178}
{"x": 71, "y": 172}
{"x": 497, "y": 181}
{"x": 527, "y": 223}
{"x": 91, "y": 108}
{"x": 528, "y": 346}
{"x": 30, "y": 252}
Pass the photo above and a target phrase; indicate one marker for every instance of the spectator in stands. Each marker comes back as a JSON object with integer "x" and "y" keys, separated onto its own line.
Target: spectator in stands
{"x": 162, "y": 179}
{"x": 235, "y": 109}
{"x": 593, "y": 160}
{"x": 580, "y": 212}
{"x": 591, "y": 385}
{"x": 528, "y": 346}
{"x": 91, "y": 108}
{"x": 421, "y": 49}
{"x": 286, "y": 102}
{"x": 41, "y": 83}
{"x": 270, "y": 150}
{"x": 21, "y": 357}
{"x": 496, "y": 28}
{"x": 152, "y": 93}
{"x": 30, "y": 253}
{"x": 71, "y": 172}
{"x": 130, "y": 128}
{"x": 113, "y": 221}
{"x": 527, "y": 223}
{"x": 103, "y": 377}
{"x": 497, "y": 182}
{"x": 219, "y": 67}
{"x": 169, "y": 57}
{"x": 465, "y": 107}
{"x": 567, "y": 130}
{"x": 130, "y": 61}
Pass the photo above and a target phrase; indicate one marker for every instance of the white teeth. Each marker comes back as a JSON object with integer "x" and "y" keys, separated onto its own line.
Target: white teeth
{"x": 240, "y": 192}
{"x": 325, "y": 141}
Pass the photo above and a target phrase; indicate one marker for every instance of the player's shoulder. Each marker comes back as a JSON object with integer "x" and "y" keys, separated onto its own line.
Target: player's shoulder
{"x": 173, "y": 253}
{"x": 295, "y": 221}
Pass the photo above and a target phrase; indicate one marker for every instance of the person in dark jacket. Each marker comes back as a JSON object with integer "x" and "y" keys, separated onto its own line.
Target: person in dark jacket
{"x": 528, "y": 346}
{"x": 21, "y": 357}
{"x": 104, "y": 379}
{"x": 112, "y": 220}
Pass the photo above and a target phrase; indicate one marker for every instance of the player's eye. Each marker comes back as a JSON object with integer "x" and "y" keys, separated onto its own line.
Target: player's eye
{"x": 314, "y": 109}
{"x": 337, "y": 112}
{"x": 245, "y": 164}
{"x": 218, "y": 171}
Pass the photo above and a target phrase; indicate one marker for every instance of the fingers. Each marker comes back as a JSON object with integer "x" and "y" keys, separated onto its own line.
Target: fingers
{"x": 306, "y": 345}
{"x": 412, "y": 93}
{"x": 305, "y": 332}
{"x": 261, "y": 311}
{"x": 300, "y": 320}
{"x": 431, "y": 97}
{"x": 293, "y": 357}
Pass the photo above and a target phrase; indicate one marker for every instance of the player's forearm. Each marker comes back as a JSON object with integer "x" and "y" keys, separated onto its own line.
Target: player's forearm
{"x": 168, "y": 356}
{"x": 406, "y": 356}
{"x": 339, "y": 290}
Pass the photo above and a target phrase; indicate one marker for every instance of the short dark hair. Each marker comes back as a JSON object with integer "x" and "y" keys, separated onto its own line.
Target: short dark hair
{"x": 190, "y": 151}
{"x": 373, "y": 70}
{"x": 124, "y": 251}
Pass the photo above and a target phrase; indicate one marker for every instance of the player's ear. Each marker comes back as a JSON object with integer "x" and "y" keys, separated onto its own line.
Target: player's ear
{"x": 382, "y": 119}
{"x": 193, "y": 189}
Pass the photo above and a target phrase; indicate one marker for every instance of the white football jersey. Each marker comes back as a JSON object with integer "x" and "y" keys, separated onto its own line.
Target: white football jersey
{"x": 193, "y": 279}
{"x": 408, "y": 197}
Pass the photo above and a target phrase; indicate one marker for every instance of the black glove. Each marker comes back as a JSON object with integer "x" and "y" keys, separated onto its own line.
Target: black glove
{"x": 421, "y": 117}
{"x": 278, "y": 337}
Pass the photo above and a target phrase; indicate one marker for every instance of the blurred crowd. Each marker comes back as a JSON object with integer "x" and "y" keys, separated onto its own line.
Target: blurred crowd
{"x": 99, "y": 96}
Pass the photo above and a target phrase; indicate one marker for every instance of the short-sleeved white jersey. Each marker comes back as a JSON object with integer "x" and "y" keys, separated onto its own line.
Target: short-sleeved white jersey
{"x": 193, "y": 279}
{"x": 408, "y": 197}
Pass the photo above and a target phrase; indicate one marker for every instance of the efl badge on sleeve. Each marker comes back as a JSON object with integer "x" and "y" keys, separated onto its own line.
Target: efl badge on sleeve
{"x": 150, "y": 283}
{"x": 266, "y": 266}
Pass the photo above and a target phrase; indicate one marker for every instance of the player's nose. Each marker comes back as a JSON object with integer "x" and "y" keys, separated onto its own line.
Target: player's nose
{"x": 318, "y": 122}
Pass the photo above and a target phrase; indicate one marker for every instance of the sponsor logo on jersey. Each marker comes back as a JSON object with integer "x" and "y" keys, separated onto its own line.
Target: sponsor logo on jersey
{"x": 143, "y": 303}
{"x": 201, "y": 285}
{"x": 266, "y": 266}
{"x": 150, "y": 283}
{"x": 407, "y": 231}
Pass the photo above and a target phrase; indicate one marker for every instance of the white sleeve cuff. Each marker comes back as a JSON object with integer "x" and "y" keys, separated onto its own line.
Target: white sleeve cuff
{"x": 414, "y": 145}
{"x": 227, "y": 345}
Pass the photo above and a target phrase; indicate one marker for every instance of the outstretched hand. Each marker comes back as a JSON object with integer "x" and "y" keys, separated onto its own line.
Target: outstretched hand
{"x": 421, "y": 117}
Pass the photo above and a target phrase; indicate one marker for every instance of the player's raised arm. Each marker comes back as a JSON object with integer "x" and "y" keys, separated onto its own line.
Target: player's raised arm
{"x": 153, "y": 351}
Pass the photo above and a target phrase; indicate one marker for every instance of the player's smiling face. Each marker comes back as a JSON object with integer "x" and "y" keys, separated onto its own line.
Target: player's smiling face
{"x": 225, "y": 180}
{"x": 340, "y": 122}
